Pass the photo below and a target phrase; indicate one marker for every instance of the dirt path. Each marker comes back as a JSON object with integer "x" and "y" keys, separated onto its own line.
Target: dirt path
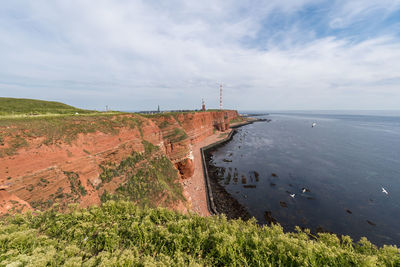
{"x": 194, "y": 187}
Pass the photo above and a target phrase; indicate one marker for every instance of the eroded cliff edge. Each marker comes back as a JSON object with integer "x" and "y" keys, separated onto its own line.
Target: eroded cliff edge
{"x": 90, "y": 159}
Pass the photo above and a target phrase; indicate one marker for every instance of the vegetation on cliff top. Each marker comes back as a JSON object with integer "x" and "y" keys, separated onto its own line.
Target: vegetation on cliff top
{"x": 167, "y": 114}
{"x": 21, "y": 106}
{"x": 16, "y": 131}
{"x": 23, "y": 119}
{"x": 122, "y": 234}
{"x": 237, "y": 120}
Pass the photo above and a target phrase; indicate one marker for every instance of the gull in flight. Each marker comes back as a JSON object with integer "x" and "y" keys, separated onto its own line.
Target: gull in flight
{"x": 292, "y": 195}
{"x": 384, "y": 191}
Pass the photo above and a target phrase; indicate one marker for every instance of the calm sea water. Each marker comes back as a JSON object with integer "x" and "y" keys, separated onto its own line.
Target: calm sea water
{"x": 343, "y": 163}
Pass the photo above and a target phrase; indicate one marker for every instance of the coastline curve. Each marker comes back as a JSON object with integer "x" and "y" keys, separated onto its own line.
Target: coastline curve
{"x": 212, "y": 207}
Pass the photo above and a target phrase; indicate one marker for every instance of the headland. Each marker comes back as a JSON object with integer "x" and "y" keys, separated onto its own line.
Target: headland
{"x": 77, "y": 156}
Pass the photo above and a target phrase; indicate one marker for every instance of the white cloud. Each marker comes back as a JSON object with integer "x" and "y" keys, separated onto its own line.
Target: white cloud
{"x": 344, "y": 12}
{"x": 134, "y": 55}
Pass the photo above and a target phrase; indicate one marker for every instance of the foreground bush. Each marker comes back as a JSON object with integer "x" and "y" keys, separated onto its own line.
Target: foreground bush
{"x": 120, "y": 233}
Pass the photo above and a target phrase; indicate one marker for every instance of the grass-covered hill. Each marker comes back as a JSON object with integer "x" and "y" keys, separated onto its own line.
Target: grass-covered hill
{"x": 21, "y": 119}
{"x": 21, "y": 106}
{"x": 121, "y": 234}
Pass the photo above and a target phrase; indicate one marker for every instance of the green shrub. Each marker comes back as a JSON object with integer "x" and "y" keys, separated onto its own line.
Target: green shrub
{"x": 149, "y": 182}
{"x": 110, "y": 172}
{"x": 149, "y": 148}
{"x": 77, "y": 189}
{"x": 121, "y": 234}
{"x": 164, "y": 124}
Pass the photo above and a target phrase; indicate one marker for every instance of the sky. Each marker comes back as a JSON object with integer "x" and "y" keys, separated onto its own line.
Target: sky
{"x": 269, "y": 55}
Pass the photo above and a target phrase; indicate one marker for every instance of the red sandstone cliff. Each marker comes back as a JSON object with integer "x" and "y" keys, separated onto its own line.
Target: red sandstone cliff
{"x": 196, "y": 126}
{"x": 39, "y": 173}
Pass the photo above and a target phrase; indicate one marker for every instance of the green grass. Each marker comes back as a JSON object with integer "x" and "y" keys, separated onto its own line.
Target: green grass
{"x": 21, "y": 106}
{"x": 176, "y": 135}
{"x": 238, "y": 119}
{"x": 149, "y": 148}
{"x": 164, "y": 124}
{"x": 15, "y": 143}
{"x": 223, "y": 135}
{"x": 167, "y": 114}
{"x": 148, "y": 179}
{"x": 63, "y": 128}
{"x": 23, "y": 119}
{"x": 155, "y": 183}
{"x": 110, "y": 171}
{"x": 122, "y": 234}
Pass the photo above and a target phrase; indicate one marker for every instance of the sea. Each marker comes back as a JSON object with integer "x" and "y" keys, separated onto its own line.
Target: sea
{"x": 326, "y": 178}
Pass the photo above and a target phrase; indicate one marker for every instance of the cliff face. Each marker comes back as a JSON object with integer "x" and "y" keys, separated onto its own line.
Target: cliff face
{"x": 40, "y": 175}
{"x": 183, "y": 130}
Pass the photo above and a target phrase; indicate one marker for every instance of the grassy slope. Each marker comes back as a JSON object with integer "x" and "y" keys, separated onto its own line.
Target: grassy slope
{"x": 21, "y": 106}
{"x": 149, "y": 179}
{"x": 22, "y": 119}
{"x": 121, "y": 234}
{"x": 15, "y": 132}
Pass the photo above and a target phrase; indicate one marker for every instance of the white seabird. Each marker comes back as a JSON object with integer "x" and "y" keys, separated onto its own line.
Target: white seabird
{"x": 304, "y": 190}
{"x": 384, "y": 191}
{"x": 314, "y": 124}
{"x": 292, "y": 195}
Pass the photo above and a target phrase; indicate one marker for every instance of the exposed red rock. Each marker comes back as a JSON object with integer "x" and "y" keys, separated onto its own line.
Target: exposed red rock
{"x": 186, "y": 168}
{"x": 10, "y": 203}
{"x": 40, "y": 173}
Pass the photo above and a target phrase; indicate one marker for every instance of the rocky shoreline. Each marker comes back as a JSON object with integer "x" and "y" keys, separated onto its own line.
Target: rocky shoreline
{"x": 219, "y": 200}
{"x": 224, "y": 203}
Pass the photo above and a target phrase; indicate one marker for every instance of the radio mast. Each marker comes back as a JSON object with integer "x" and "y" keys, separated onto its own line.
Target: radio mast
{"x": 220, "y": 96}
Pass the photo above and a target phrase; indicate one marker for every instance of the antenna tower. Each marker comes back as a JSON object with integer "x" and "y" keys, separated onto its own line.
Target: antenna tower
{"x": 220, "y": 96}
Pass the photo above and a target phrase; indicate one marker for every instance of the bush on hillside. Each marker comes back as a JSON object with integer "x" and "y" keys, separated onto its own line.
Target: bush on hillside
{"x": 120, "y": 233}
